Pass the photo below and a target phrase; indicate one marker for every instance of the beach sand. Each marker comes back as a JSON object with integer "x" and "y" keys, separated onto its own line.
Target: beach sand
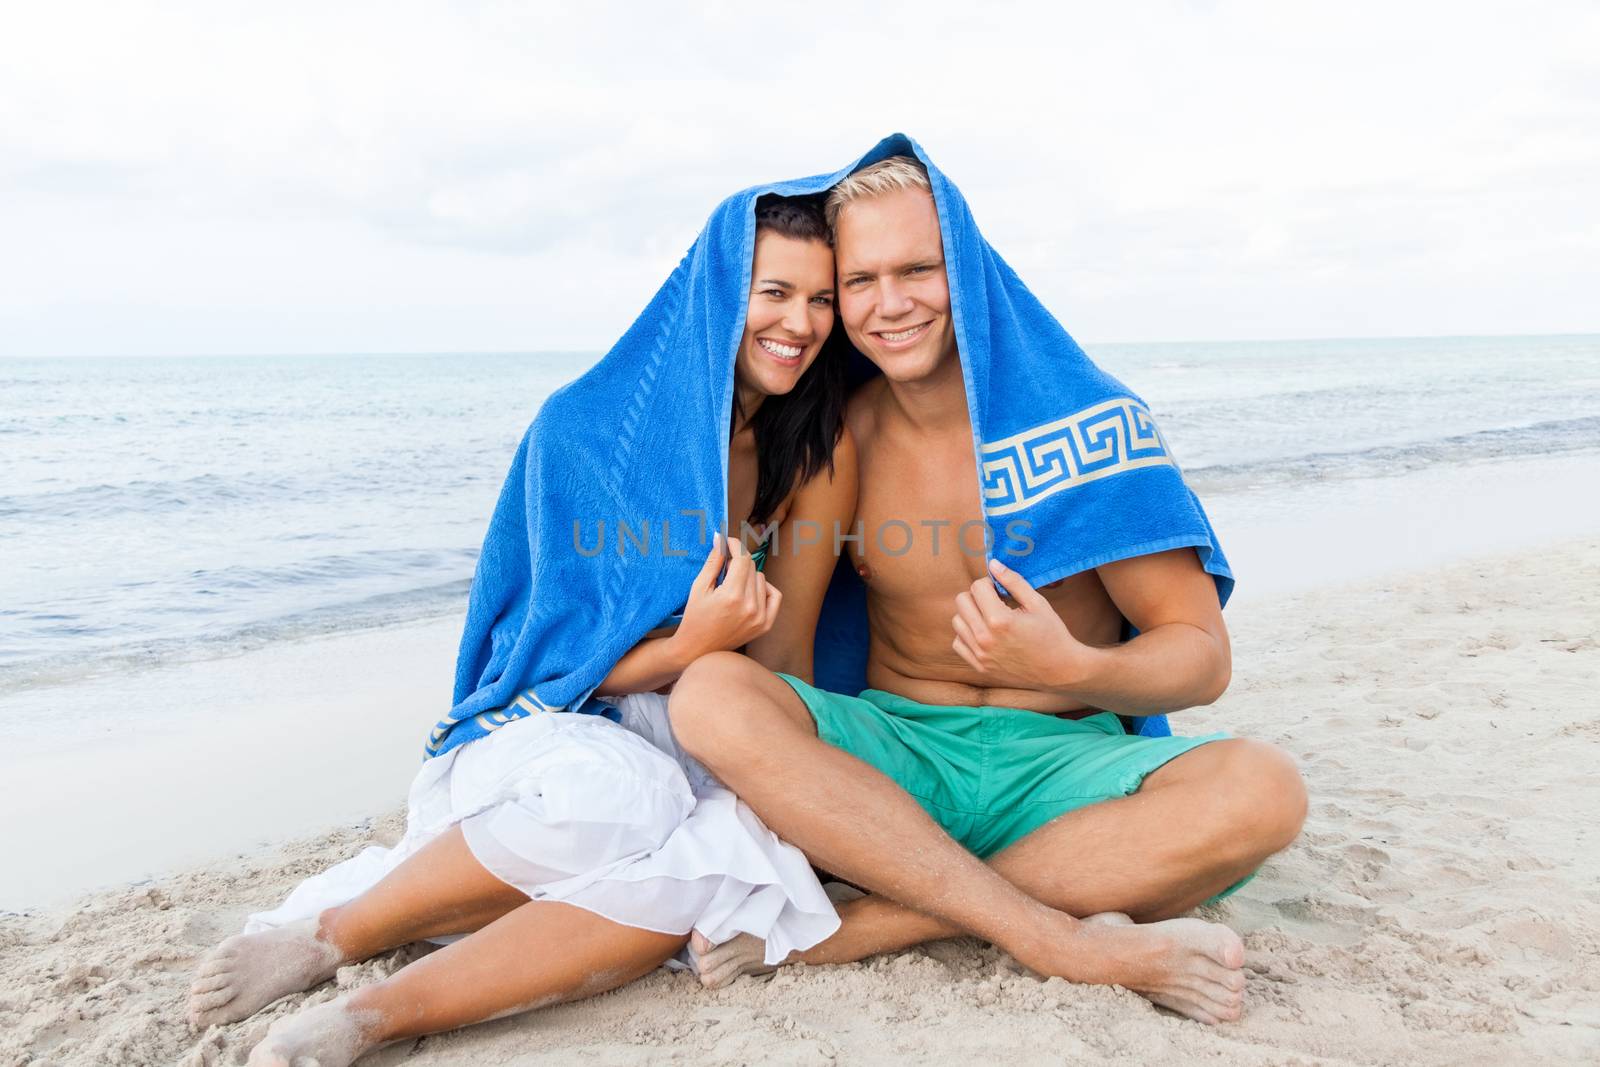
{"x": 1441, "y": 907}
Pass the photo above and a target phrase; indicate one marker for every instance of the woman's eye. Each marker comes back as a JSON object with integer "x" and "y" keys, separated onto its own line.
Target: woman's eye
{"x": 822, "y": 301}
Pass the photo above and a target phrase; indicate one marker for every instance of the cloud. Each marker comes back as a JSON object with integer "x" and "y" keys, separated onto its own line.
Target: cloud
{"x": 231, "y": 177}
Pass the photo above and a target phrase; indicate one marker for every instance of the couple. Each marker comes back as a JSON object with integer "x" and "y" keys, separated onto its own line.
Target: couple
{"x": 987, "y": 783}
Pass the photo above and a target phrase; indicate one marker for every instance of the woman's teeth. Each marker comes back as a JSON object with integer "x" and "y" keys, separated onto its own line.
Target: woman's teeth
{"x": 780, "y": 350}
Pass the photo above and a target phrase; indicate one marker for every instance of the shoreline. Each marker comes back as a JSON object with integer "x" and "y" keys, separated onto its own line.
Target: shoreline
{"x": 170, "y": 740}
{"x": 277, "y": 742}
{"x": 1440, "y": 907}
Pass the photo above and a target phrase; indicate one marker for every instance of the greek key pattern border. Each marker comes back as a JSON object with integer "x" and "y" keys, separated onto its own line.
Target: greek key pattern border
{"x": 1109, "y": 438}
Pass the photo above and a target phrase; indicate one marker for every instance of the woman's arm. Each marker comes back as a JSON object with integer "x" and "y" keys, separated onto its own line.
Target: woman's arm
{"x": 802, "y": 560}
{"x": 654, "y": 663}
{"x": 717, "y": 617}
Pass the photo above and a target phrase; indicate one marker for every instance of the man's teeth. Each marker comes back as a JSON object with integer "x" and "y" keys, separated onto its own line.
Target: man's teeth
{"x": 786, "y": 351}
{"x": 902, "y": 335}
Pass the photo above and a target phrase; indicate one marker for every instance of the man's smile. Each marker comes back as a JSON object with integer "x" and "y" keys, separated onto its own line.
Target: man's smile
{"x": 893, "y": 339}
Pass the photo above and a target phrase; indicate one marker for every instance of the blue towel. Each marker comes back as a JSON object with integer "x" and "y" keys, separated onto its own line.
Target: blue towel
{"x": 1064, "y": 449}
{"x": 603, "y": 521}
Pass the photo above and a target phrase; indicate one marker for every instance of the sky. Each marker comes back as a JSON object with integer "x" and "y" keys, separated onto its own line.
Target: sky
{"x": 229, "y": 178}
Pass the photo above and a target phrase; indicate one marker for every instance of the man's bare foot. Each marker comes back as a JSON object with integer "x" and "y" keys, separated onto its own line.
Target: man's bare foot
{"x": 1189, "y": 966}
{"x": 720, "y": 964}
{"x": 247, "y": 972}
{"x": 328, "y": 1035}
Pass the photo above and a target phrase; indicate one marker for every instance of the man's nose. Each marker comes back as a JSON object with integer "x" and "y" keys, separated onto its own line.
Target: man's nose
{"x": 893, "y": 299}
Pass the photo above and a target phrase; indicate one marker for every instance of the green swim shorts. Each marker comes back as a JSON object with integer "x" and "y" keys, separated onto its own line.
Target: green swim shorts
{"x": 990, "y": 776}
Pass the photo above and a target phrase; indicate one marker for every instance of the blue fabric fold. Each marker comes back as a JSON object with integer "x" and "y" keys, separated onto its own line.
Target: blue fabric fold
{"x": 1074, "y": 472}
{"x": 606, "y": 514}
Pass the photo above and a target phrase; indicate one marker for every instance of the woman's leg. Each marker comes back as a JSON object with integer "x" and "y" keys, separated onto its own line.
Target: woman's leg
{"x": 540, "y": 954}
{"x": 442, "y": 889}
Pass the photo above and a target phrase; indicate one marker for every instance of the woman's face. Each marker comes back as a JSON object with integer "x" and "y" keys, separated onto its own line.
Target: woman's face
{"x": 791, "y": 313}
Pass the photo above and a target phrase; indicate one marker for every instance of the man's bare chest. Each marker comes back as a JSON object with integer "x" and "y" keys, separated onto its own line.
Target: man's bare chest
{"x": 921, "y": 525}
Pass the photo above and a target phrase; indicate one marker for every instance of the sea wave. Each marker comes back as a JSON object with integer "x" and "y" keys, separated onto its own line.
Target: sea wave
{"x": 89, "y": 657}
{"x": 1551, "y": 438}
{"x": 210, "y": 493}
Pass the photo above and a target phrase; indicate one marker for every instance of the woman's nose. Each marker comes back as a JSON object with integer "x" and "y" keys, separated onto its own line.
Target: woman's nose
{"x": 796, "y": 321}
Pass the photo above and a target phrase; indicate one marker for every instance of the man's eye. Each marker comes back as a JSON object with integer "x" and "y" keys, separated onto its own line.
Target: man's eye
{"x": 857, "y": 282}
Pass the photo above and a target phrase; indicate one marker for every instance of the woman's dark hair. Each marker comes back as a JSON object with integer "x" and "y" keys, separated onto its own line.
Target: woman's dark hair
{"x": 795, "y": 433}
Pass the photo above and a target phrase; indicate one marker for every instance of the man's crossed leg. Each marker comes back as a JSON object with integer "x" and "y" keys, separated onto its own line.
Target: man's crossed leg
{"x": 1195, "y": 827}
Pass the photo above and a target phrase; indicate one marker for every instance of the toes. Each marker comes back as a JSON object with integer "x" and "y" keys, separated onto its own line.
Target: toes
{"x": 723, "y": 971}
{"x": 711, "y": 963}
{"x": 715, "y": 979}
{"x": 216, "y": 963}
{"x": 210, "y": 1002}
{"x": 1230, "y": 951}
{"x": 1208, "y": 971}
{"x": 721, "y": 964}
{"x": 1219, "y": 1001}
{"x": 1110, "y": 918}
{"x": 209, "y": 983}
{"x": 719, "y": 973}
{"x": 1185, "y": 1007}
{"x": 266, "y": 1057}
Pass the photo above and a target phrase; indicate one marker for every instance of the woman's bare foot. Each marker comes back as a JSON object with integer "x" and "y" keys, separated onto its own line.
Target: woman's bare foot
{"x": 247, "y": 972}
{"x": 327, "y": 1035}
{"x": 1189, "y": 966}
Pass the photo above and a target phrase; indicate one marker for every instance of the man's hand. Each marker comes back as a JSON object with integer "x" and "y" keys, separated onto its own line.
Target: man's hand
{"x": 1027, "y": 646}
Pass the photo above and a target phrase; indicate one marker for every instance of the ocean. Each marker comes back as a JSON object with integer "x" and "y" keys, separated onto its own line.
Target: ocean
{"x": 154, "y": 509}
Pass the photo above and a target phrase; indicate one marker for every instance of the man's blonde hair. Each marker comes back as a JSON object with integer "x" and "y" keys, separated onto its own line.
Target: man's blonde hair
{"x": 885, "y": 176}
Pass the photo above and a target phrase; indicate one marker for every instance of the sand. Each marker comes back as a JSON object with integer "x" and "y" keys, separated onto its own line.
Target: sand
{"x": 274, "y": 729}
{"x": 1442, "y": 906}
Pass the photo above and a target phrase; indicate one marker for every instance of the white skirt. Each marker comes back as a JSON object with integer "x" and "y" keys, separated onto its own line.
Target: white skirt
{"x": 616, "y": 820}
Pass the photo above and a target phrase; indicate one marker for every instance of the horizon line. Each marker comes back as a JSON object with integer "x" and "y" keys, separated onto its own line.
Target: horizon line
{"x": 421, "y": 353}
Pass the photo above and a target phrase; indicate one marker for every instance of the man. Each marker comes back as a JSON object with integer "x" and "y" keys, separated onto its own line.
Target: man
{"x": 988, "y": 717}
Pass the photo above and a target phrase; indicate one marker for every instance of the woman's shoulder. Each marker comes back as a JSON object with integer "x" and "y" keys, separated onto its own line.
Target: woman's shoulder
{"x": 844, "y": 450}
{"x": 835, "y": 479}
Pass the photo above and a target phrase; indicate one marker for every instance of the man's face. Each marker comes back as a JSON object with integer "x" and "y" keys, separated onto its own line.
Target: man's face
{"x": 894, "y": 299}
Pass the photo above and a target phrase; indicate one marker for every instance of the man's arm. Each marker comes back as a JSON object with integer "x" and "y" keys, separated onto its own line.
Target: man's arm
{"x": 1180, "y": 658}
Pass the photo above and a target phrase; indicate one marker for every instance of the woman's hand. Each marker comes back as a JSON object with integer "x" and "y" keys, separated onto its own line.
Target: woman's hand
{"x": 728, "y": 616}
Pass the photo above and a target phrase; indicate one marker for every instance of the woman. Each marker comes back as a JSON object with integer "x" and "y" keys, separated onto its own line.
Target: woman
{"x": 575, "y": 853}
